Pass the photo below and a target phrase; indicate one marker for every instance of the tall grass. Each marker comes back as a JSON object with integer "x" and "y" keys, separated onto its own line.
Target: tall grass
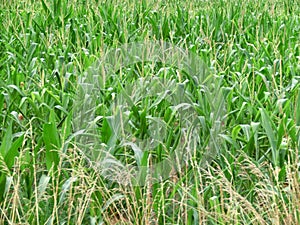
{"x": 252, "y": 47}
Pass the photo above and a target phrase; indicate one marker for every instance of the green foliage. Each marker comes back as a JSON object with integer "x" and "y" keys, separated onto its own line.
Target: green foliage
{"x": 251, "y": 178}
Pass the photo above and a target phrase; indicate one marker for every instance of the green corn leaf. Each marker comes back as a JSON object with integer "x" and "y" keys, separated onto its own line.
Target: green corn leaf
{"x": 269, "y": 126}
{"x": 6, "y": 141}
{"x": 52, "y": 142}
{"x": 45, "y": 7}
{"x": 13, "y": 151}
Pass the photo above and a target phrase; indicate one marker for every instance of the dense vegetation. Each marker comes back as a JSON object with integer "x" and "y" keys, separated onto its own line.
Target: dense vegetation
{"x": 251, "y": 49}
